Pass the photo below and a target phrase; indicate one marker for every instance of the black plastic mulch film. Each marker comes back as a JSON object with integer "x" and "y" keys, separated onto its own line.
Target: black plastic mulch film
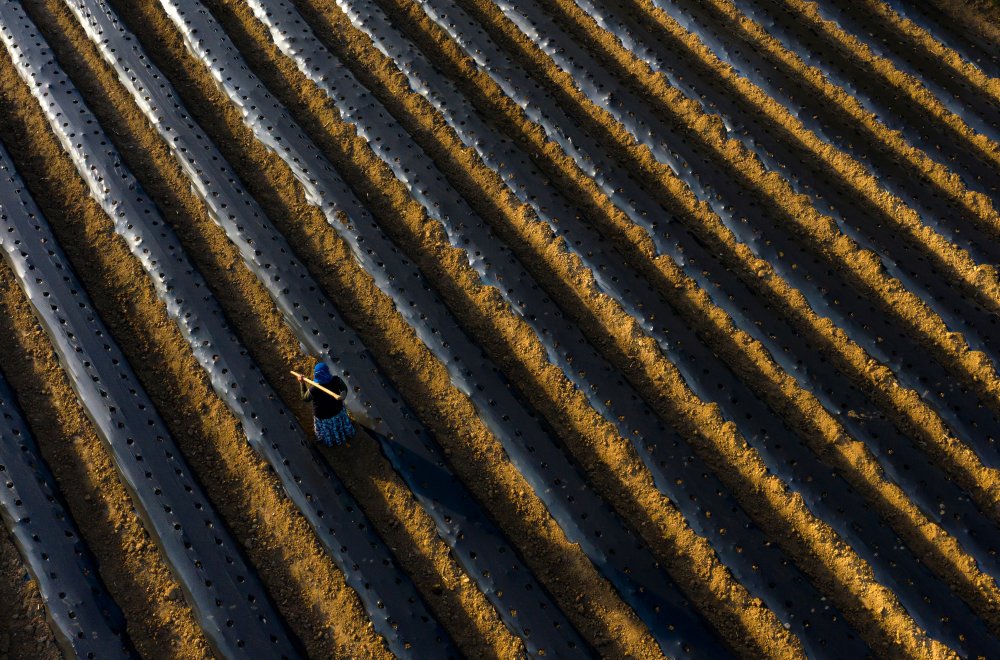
{"x": 677, "y": 471}
{"x": 585, "y": 518}
{"x": 225, "y": 593}
{"x": 976, "y": 109}
{"x": 785, "y": 455}
{"x": 937, "y": 211}
{"x": 974, "y": 421}
{"x": 941, "y": 27}
{"x": 86, "y": 621}
{"x": 897, "y": 111}
{"x": 477, "y": 543}
{"x": 395, "y": 606}
{"x": 952, "y": 221}
{"x": 929, "y": 487}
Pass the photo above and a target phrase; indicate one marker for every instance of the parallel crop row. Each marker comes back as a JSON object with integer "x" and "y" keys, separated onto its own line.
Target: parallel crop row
{"x": 943, "y": 141}
{"x": 880, "y": 226}
{"x": 754, "y": 224}
{"x": 678, "y": 472}
{"x": 477, "y": 542}
{"x": 862, "y": 20}
{"x": 586, "y": 519}
{"x": 927, "y": 485}
{"x": 932, "y": 19}
{"x": 84, "y": 617}
{"x": 703, "y": 293}
{"x": 225, "y": 593}
{"x": 391, "y": 598}
{"x": 542, "y": 109}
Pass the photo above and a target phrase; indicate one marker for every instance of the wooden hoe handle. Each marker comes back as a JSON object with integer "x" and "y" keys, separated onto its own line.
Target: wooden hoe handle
{"x": 318, "y": 386}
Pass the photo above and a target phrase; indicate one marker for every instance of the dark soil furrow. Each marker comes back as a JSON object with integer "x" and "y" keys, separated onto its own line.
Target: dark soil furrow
{"x": 399, "y": 352}
{"x": 24, "y": 632}
{"x": 480, "y": 51}
{"x": 904, "y": 238}
{"x": 964, "y": 91}
{"x": 882, "y": 89}
{"x": 158, "y": 620}
{"x": 204, "y": 429}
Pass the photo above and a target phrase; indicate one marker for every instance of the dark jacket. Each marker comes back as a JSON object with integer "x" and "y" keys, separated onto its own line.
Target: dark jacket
{"x": 324, "y": 405}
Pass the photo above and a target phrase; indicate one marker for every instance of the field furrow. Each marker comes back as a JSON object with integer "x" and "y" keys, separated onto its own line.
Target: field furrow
{"x": 627, "y": 563}
{"x": 447, "y": 414}
{"x": 480, "y": 51}
{"x": 669, "y": 328}
{"x": 915, "y": 240}
{"x": 189, "y": 531}
{"x": 333, "y": 514}
{"x": 809, "y": 287}
{"x": 898, "y": 101}
{"x": 959, "y": 86}
{"x": 24, "y": 632}
{"x": 891, "y": 436}
{"x": 280, "y": 554}
{"x": 896, "y": 455}
{"x": 139, "y": 581}
{"x": 84, "y": 617}
{"x": 723, "y": 183}
{"x": 781, "y": 336}
{"x": 173, "y": 126}
{"x": 959, "y": 26}
{"x": 622, "y": 405}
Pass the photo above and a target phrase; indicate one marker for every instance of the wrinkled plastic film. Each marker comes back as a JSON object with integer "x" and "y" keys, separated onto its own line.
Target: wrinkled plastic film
{"x": 225, "y": 594}
{"x": 936, "y": 141}
{"x": 977, "y": 110}
{"x": 547, "y": 465}
{"x": 82, "y": 614}
{"x": 753, "y": 226}
{"x": 677, "y": 471}
{"x": 486, "y": 554}
{"x": 585, "y": 517}
{"x": 876, "y": 542}
{"x": 516, "y": 169}
{"x": 270, "y": 428}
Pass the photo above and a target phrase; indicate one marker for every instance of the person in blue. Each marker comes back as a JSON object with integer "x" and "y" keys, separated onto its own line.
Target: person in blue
{"x": 333, "y": 426}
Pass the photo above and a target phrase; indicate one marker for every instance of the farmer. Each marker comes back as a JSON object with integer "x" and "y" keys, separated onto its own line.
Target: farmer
{"x": 333, "y": 426}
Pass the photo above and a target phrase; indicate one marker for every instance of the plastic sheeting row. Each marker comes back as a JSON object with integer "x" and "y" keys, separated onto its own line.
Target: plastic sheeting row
{"x": 224, "y": 592}
{"x": 975, "y": 108}
{"x": 478, "y": 544}
{"x": 585, "y": 518}
{"x": 678, "y": 472}
{"x": 808, "y": 269}
{"x": 84, "y": 617}
{"x": 944, "y": 29}
{"x": 928, "y": 486}
{"x": 893, "y": 108}
{"x": 392, "y": 600}
{"x": 904, "y": 260}
{"x": 701, "y": 369}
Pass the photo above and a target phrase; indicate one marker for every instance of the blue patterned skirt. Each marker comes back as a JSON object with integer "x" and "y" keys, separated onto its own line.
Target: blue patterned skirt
{"x": 335, "y": 430}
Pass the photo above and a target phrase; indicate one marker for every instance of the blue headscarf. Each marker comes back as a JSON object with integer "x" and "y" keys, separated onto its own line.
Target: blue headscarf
{"x": 321, "y": 373}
